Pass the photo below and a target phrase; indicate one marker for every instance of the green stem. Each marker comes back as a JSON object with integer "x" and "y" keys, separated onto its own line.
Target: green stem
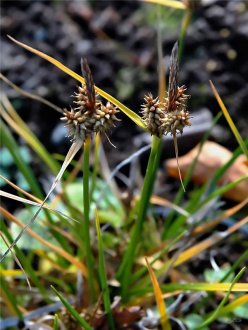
{"x": 96, "y": 165}
{"x": 103, "y": 277}
{"x": 124, "y": 272}
{"x": 184, "y": 27}
{"x": 86, "y": 223}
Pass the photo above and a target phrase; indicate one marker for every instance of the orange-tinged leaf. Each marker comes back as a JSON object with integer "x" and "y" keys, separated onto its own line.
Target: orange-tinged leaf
{"x": 197, "y": 248}
{"x": 132, "y": 115}
{"x": 164, "y": 319}
{"x": 53, "y": 247}
{"x": 214, "y": 222}
{"x": 234, "y": 304}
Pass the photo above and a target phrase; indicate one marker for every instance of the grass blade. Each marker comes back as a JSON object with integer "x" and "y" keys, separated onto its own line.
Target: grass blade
{"x": 86, "y": 221}
{"x": 56, "y": 322}
{"x": 124, "y": 271}
{"x": 53, "y": 247}
{"x": 168, "y": 3}
{"x": 132, "y": 115}
{"x": 17, "y": 124}
{"x": 164, "y": 319}
{"x": 71, "y": 153}
{"x": 233, "y": 305}
{"x": 26, "y": 264}
{"x": 103, "y": 277}
{"x": 27, "y": 201}
{"x": 215, "y": 314}
{"x": 17, "y": 261}
{"x": 30, "y": 95}
{"x": 26, "y": 170}
{"x": 10, "y": 299}
{"x": 181, "y": 287}
{"x": 72, "y": 311}
{"x": 229, "y": 120}
{"x": 194, "y": 250}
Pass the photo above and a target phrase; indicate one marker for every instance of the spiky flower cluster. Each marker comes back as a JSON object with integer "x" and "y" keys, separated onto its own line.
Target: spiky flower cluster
{"x": 166, "y": 117}
{"x": 176, "y": 117}
{"x": 87, "y": 118}
{"x": 170, "y": 115}
{"x": 153, "y": 114}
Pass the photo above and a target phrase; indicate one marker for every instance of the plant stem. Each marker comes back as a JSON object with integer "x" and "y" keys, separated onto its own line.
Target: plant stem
{"x": 184, "y": 27}
{"x": 96, "y": 165}
{"x": 86, "y": 222}
{"x": 103, "y": 277}
{"x": 128, "y": 260}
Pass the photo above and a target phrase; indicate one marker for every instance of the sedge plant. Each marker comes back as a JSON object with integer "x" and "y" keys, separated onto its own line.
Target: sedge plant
{"x": 90, "y": 116}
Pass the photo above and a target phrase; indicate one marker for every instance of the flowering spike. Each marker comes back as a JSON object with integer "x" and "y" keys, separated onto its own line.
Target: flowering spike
{"x": 90, "y": 115}
{"x": 173, "y": 78}
{"x": 89, "y": 84}
{"x": 152, "y": 115}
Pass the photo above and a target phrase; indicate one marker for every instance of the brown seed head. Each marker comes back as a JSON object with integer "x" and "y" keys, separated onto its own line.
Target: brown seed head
{"x": 89, "y": 116}
{"x": 152, "y": 114}
{"x": 171, "y": 115}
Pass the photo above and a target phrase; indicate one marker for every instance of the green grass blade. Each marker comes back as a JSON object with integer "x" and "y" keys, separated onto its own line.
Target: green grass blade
{"x": 229, "y": 308}
{"x": 70, "y": 155}
{"x": 26, "y": 170}
{"x": 26, "y": 264}
{"x": 229, "y": 120}
{"x": 103, "y": 276}
{"x": 220, "y": 172}
{"x": 56, "y": 322}
{"x": 11, "y": 298}
{"x": 242, "y": 258}
{"x": 189, "y": 173}
{"x": 86, "y": 221}
{"x": 96, "y": 165}
{"x": 215, "y": 314}
{"x": 124, "y": 271}
{"x": 72, "y": 311}
{"x": 16, "y": 122}
{"x": 184, "y": 27}
{"x": 222, "y": 190}
{"x": 143, "y": 271}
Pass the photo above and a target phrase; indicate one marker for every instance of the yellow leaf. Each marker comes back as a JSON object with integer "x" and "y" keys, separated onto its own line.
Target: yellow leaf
{"x": 132, "y": 115}
{"x": 164, "y": 319}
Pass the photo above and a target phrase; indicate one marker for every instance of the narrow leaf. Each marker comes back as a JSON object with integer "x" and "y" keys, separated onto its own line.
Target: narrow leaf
{"x": 45, "y": 242}
{"x": 72, "y": 311}
{"x": 27, "y": 201}
{"x": 212, "y": 317}
{"x": 174, "y": 4}
{"x": 17, "y": 261}
{"x": 71, "y": 153}
{"x": 229, "y": 120}
{"x": 132, "y": 115}
{"x": 103, "y": 276}
{"x": 164, "y": 319}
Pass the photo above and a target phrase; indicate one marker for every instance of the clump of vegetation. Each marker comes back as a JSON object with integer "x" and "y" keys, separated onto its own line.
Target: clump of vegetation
{"x": 113, "y": 265}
